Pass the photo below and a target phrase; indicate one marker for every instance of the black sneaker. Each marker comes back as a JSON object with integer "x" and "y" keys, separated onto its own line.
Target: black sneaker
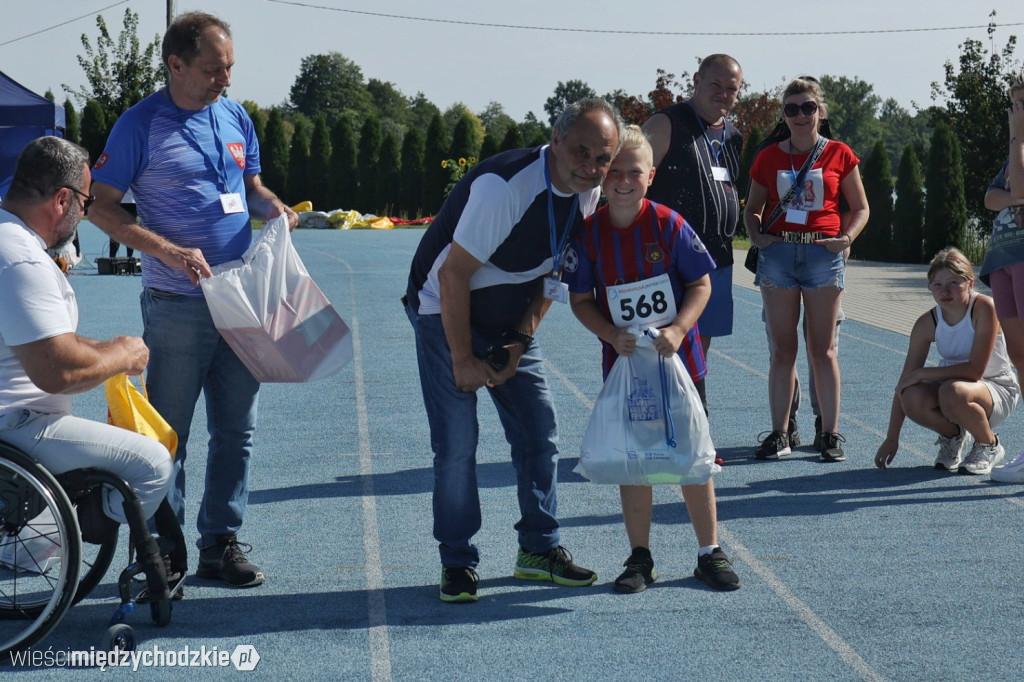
{"x": 555, "y": 565}
{"x": 639, "y": 572}
{"x": 226, "y": 561}
{"x": 831, "y": 450}
{"x": 817, "y": 432}
{"x": 715, "y": 569}
{"x": 458, "y": 584}
{"x": 773, "y": 446}
{"x": 794, "y": 432}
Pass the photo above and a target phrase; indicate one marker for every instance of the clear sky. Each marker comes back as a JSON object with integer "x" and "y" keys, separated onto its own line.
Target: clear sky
{"x": 461, "y": 54}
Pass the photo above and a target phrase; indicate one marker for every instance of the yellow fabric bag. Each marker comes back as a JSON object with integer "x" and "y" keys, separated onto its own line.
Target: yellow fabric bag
{"x": 129, "y": 408}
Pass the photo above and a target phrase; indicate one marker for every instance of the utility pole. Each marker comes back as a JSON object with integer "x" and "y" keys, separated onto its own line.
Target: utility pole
{"x": 170, "y": 11}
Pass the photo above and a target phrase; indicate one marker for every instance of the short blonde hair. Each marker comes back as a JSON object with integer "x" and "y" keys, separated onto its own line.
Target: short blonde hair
{"x": 952, "y": 259}
{"x": 633, "y": 137}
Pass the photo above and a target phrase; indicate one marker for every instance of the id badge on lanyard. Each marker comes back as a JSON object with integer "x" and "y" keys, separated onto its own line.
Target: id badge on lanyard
{"x": 554, "y": 288}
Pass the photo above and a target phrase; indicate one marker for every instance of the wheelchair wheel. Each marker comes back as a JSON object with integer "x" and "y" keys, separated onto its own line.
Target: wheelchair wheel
{"x": 40, "y": 552}
{"x": 96, "y": 561}
{"x": 120, "y": 637}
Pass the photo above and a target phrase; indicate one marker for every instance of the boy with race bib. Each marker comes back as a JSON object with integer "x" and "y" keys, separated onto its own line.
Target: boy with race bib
{"x": 634, "y": 264}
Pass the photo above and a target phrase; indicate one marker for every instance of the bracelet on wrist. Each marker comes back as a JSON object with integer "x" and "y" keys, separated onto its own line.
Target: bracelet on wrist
{"x": 521, "y": 338}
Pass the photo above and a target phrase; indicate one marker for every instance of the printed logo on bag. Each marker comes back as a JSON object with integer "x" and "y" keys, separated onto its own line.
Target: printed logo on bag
{"x": 653, "y": 253}
{"x": 572, "y": 260}
{"x": 642, "y": 403}
{"x": 237, "y": 150}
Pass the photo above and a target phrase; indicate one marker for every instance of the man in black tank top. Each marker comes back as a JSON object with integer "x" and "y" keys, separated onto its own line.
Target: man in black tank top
{"x": 697, "y": 156}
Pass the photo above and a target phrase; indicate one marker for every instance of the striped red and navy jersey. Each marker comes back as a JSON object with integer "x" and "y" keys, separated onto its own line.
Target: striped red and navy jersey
{"x": 658, "y": 242}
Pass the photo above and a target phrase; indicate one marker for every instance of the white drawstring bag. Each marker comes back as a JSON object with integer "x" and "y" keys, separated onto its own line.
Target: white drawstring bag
{"x": 648, "y": 425}
{"x": 273, "y": 315}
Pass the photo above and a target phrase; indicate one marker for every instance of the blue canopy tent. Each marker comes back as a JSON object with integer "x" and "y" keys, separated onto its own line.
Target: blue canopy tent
{"x": 24, "y": 116}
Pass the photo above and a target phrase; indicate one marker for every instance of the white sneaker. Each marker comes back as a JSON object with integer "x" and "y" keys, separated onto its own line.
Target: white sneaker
{"x": 1010, "y": 473}
{"x": 36, "y": 548}
{"x": 982, "y": 458}
{"x": 951, "y": 450}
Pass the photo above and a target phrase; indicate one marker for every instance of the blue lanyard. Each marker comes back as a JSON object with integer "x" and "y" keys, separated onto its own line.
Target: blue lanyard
{"x": 798, "y": 191}
{"x": 219, "y": 165}
{"x": 716, "y": 151}
{"x": 557, "y": 246}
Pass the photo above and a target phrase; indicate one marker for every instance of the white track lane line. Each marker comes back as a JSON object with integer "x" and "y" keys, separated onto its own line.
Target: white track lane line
{"x": 831, "y": 638}
{"x": 377, "y": 615}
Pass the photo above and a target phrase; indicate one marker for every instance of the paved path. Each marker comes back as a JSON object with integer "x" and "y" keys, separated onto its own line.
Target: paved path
{"x": 886, "y": 295}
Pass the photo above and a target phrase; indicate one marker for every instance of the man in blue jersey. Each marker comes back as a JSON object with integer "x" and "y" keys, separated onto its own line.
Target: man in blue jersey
{"x": 191, "y": 158}
{"x": 482, "y": 278}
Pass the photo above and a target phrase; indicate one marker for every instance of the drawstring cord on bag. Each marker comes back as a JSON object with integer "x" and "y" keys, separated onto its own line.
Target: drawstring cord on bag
{"x": 666, "y": 396}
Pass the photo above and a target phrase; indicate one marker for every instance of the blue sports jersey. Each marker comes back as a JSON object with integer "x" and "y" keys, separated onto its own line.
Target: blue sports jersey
{"x": 659, "y": 242}
{"x": 178, "y": 163}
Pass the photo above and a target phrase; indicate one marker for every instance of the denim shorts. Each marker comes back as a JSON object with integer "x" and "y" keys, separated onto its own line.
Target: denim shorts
{"x": 808, "y": 266}
{"x": 1008, "y": 291}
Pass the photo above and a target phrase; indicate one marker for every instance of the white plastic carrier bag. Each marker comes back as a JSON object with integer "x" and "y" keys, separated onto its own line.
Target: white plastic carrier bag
{"x": 648, "y": 425}
{"x": 273, "y": 315}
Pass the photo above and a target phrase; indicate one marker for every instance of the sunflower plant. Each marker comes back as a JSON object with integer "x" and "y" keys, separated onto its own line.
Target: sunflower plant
{"x": 457, "y": 168}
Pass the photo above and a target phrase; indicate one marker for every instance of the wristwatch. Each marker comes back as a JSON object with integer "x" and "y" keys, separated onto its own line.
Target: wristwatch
{"x": 521, "y": 338}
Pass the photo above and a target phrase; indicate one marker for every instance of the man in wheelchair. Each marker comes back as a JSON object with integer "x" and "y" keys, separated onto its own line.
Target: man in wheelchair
{"x": 43, "y": 361}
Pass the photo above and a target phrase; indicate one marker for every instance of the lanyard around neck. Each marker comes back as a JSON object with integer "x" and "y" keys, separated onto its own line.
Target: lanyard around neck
{"x": 218, "y": 164}
{"x": 557, "y": 245}
{"x": 715, "y": 151}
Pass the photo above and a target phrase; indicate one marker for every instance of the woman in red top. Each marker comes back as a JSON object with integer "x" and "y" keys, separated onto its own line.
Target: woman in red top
{"x": 802, "y": 256}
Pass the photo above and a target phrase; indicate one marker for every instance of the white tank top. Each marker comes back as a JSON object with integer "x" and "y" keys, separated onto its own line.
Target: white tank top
{"x": 954, "y": 343}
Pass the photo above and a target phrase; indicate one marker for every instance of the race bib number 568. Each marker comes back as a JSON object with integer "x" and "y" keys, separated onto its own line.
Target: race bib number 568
{"x": 649, "y": 303}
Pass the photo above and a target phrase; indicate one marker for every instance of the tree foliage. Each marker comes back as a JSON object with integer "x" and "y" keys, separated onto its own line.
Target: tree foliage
{"x": 330, "y": 84}
{"x": 875, "y": 242}
{"x": 344, "y": 176}
{"x": 120, "y": 73}
{"x": 436, "y": 177}
{"x": 513, "y": 140}
{"x": 274, "y": 153}
{"x": 466, "y": 137}
{"x": 94, "y": 129}
{"x": 320, "y": 166}
{"x": 391, "y": 106}
{"x": 298, "y": 163}
{"x": 667, "y": 90}
{"x": 975, "y": 93}
{"x": 945, "y": 213}
{"x": 259, "y": 119}
{"x": 852, "y": 111}
{"x": 72, "y": 126}
{"x": 389, "y": 173}
{"x": 370, "y": 140}
{"x": 565, "y": 94}
{"x": 754, "y": 138}
{"x": 908, "y": 213}
{"x": 410, "y": 192}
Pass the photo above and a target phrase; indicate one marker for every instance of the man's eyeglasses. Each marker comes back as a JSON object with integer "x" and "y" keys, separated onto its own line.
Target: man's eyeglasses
{"x": 807, "y": 109}
{"x": 89, "y": 199}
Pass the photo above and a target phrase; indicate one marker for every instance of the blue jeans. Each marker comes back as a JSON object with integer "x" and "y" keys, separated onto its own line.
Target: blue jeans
{"x": 527, "y": 414}
{"x": 188, "y": 355}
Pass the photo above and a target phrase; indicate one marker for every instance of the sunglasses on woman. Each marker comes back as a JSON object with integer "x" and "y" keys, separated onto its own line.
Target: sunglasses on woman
{"x": 807, "y": 109}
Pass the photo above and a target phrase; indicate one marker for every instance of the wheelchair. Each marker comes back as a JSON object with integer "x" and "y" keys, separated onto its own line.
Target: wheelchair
{"x": 50, "y": 561}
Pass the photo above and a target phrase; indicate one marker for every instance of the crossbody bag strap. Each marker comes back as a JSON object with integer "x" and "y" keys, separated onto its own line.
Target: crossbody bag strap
{"x": 811, "y": 160}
